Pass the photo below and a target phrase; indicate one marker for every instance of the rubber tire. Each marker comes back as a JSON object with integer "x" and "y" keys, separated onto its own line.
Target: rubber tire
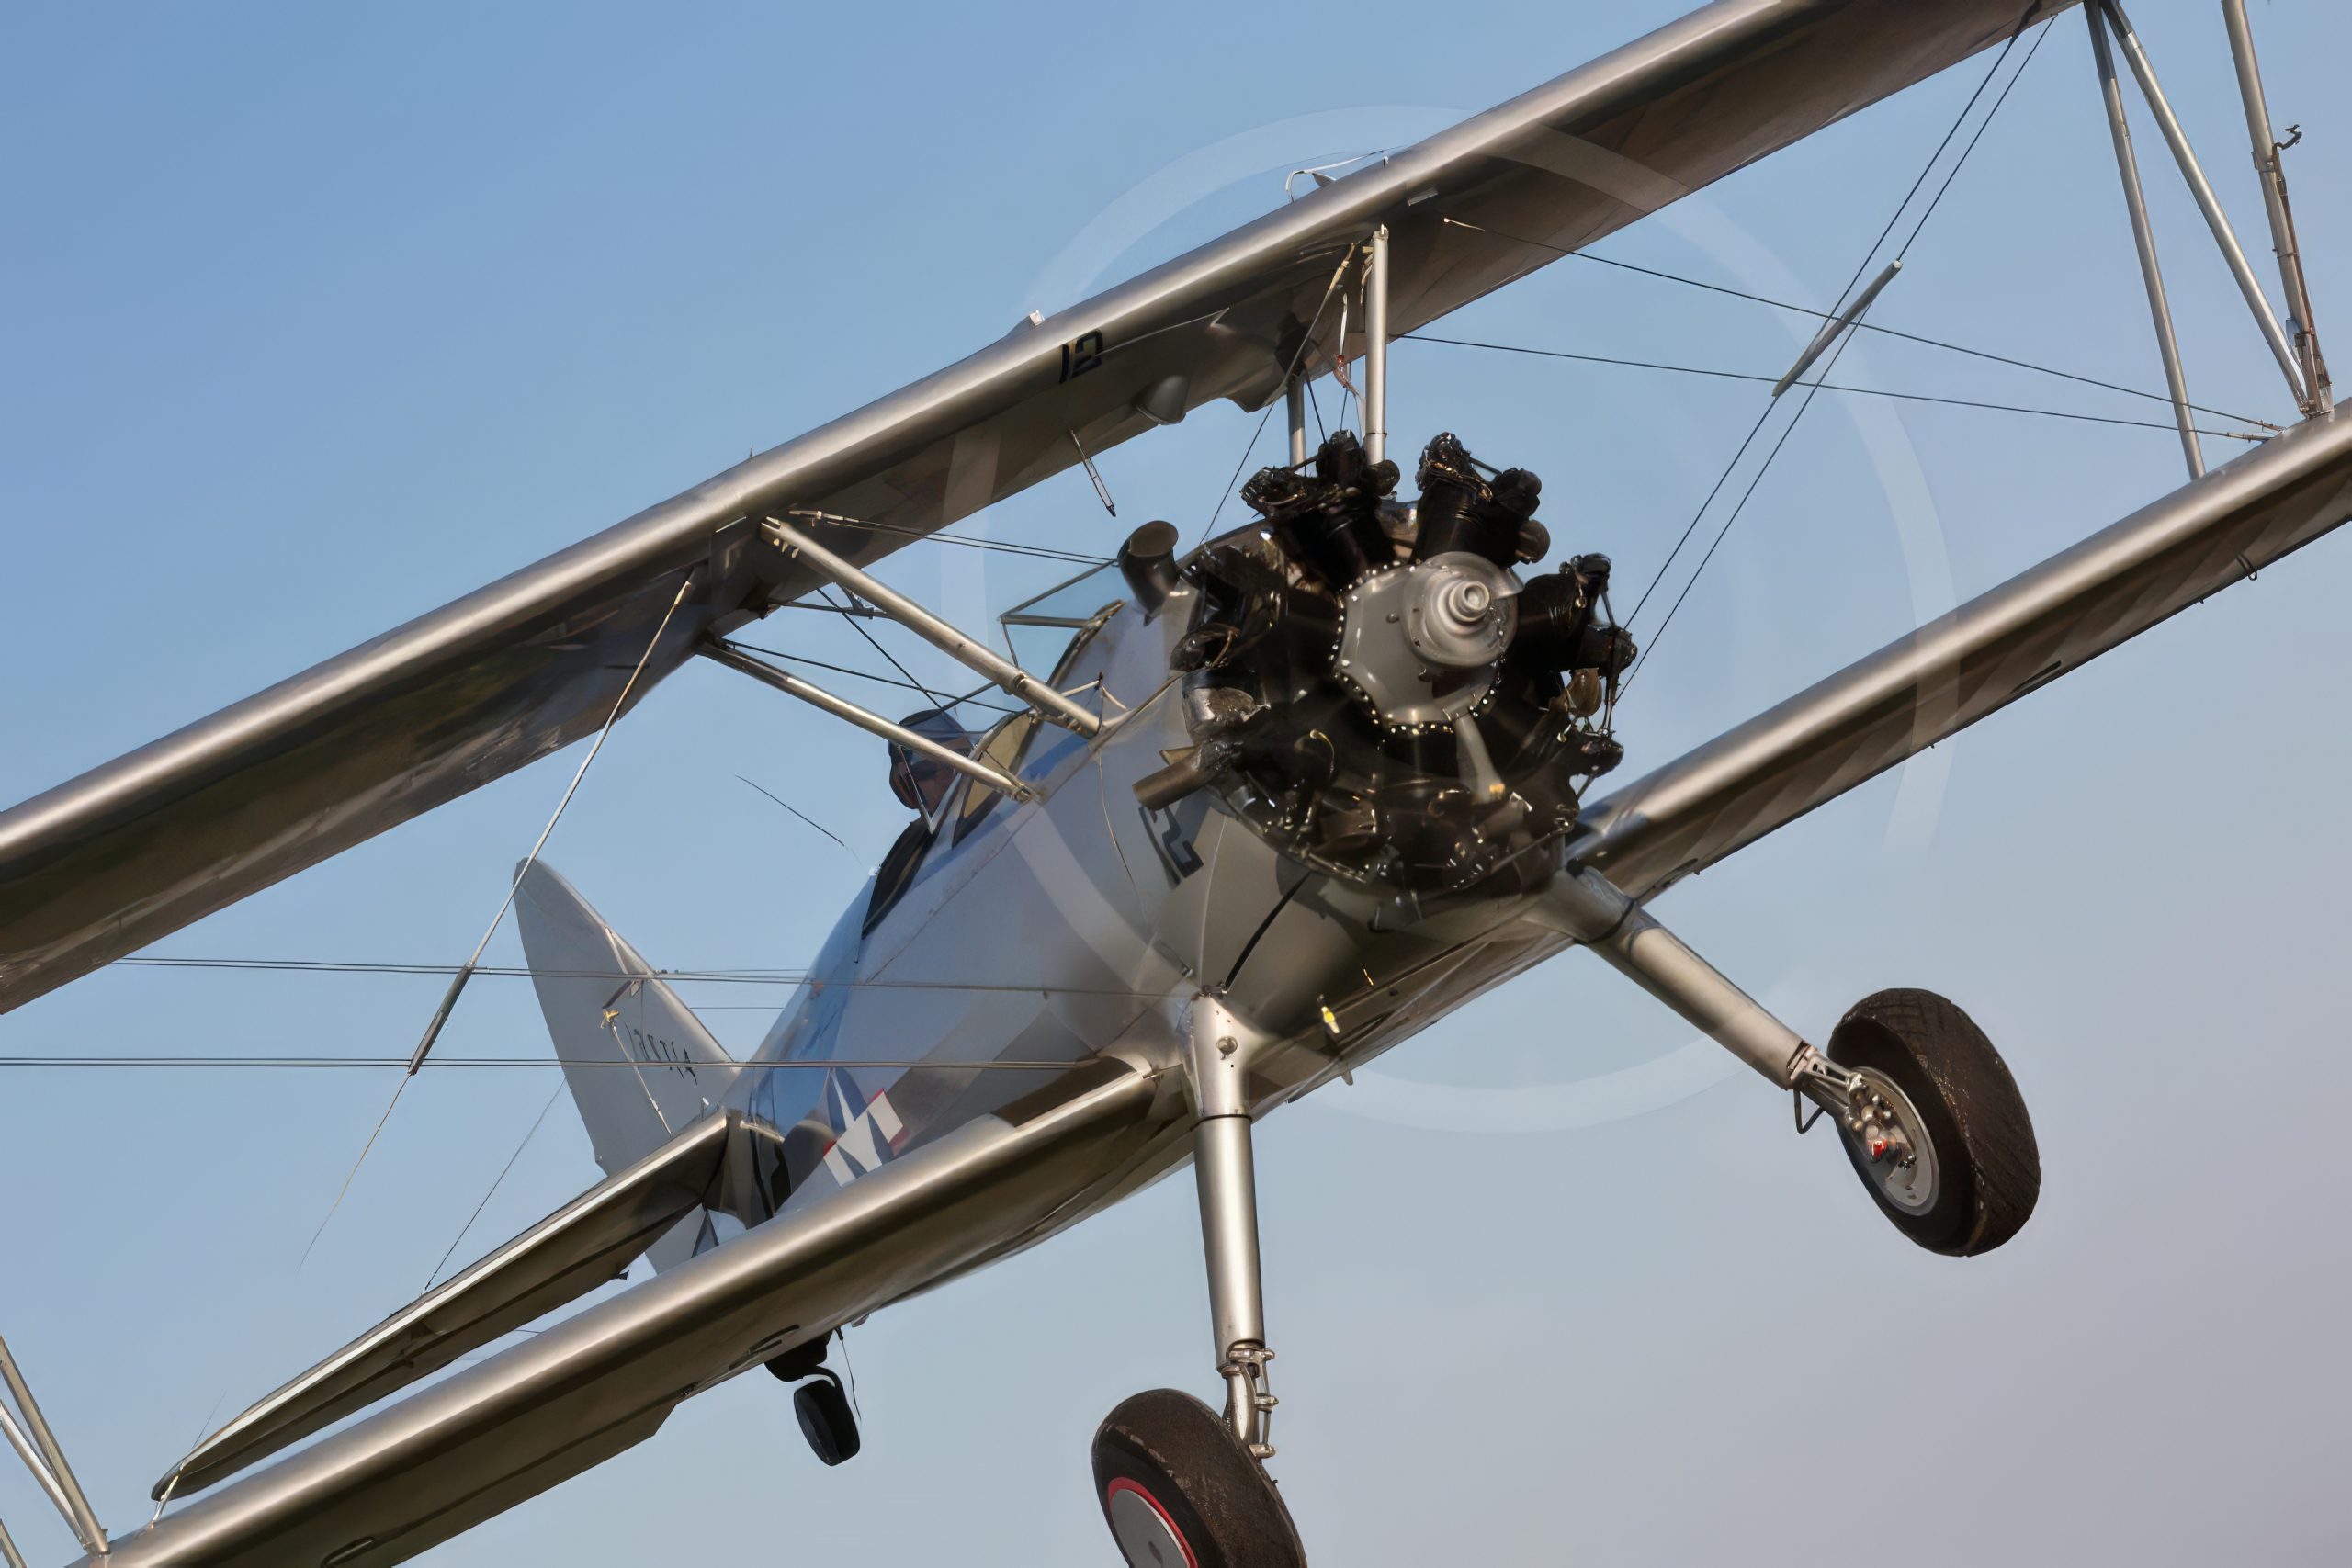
{"x": 826, "y": 1419}
{"x": 1187, "y": 1461}
{"x": 1988, "y": 1164}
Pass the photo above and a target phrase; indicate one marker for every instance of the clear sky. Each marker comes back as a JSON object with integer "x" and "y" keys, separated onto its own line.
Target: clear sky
{"x": 319, "y": 317}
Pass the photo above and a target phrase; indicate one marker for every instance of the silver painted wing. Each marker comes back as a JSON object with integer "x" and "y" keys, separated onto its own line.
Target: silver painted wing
{"x": 1979, "y": 658}
{"x": 106, "y": 863}
{"x": 447, "y": 1457}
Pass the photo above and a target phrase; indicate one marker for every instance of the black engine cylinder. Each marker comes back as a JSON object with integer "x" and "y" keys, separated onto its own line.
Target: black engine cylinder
{"x": 1331, "y": 521}
{"x": 1460, "y": 511}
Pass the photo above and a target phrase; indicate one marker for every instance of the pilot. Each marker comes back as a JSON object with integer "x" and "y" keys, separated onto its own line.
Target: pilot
{"x": 919, "y": 782}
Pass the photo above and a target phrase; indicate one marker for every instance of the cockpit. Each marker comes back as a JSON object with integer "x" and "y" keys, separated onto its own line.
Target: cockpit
{"x": 921, "y": 783}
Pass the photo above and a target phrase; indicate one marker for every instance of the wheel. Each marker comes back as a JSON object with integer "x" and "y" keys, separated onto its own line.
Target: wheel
{"x": 1946, "y": 1147}
{"x": 825, "y": 1418}
{"x": 1180, "y": 1491}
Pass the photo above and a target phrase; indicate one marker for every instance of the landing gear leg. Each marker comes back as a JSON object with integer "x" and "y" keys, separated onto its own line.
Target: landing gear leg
{"x": 1178, "y": 1484}
{"x": 1226, "y": 1172}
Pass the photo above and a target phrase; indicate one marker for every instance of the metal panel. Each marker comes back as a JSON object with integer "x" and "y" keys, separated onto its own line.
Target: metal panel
{"x": 140, "y": 846}
{"x": 485, "y": 1438}
{"x": 1979, "y": 658}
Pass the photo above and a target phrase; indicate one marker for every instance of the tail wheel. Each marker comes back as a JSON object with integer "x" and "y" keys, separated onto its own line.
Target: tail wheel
{"x": 826, "y": 1419}
{"x": 1180, "y": 1491}
{"x": 1943, "y": 1140}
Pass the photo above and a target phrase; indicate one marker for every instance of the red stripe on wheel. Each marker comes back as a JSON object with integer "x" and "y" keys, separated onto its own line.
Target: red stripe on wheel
{"x": 1124, "y": 1484}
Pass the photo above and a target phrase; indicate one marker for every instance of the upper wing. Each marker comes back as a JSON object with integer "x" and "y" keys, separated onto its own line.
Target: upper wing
{"x": 139, "y": 847}
{"x": 1985, "y": 654}
{"x": 486, "y": 1438}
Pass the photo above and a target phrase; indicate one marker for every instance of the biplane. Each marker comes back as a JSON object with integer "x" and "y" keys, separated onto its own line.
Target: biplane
{"x": 1285, "y": 798}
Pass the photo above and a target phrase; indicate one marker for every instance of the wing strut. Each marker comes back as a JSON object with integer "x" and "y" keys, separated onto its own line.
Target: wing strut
{"x": 1017, "y": 683}
{"x": 2143, "y": 239}
{"x": 2298, "y": 360}
{"x": 2267, "y": 149}
{"x": 36, "y": 1445}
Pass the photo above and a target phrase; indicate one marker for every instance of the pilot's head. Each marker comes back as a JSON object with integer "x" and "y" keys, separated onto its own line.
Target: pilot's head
{"x": 920, "y": 783}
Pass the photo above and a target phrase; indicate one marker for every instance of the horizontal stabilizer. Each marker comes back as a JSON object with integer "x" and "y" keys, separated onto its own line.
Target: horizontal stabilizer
{"x": 485, "y": 1438}
{"x": 586, "y": 1242}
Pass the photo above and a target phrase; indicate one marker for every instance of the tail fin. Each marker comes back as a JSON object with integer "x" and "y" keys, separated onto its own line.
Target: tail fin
{"x": 640, "y": 1064}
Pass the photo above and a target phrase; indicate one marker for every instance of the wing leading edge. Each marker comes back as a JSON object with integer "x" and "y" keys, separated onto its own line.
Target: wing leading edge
{"x": 1975, "y": 660}
{"x": 138, "y": 847}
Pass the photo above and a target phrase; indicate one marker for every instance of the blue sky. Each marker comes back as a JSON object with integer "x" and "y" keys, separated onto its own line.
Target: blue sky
{"x": 319, "y": 318}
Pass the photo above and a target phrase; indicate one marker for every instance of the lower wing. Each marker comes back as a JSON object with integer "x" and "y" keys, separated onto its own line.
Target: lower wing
{"x": 2014, "y": 640}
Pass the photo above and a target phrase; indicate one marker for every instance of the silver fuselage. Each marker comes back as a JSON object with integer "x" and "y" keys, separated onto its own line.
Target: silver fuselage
{"x": 1079, "y": 925}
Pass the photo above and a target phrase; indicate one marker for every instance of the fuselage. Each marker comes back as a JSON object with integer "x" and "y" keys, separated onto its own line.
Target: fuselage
{"x": 1005, "y": 942}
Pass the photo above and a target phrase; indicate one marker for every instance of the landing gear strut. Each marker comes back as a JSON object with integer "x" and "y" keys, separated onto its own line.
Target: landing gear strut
{"x": 1181, "y": 1487}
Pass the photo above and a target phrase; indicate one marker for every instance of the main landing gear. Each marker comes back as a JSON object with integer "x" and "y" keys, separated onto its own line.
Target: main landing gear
{"x": 821, "y": 1404}
{"x": 1182, "y": 1486}
{"x": 1931, "y": 1119}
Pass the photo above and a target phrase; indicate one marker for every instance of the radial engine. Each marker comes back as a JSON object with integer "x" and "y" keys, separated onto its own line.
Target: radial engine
{"x": 1373, "y": 687}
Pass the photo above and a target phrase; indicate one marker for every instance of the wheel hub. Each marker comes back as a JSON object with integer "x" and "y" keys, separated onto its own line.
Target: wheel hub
{"x": 1885, "y": 1126}
{"x": 1147, "y": 1538}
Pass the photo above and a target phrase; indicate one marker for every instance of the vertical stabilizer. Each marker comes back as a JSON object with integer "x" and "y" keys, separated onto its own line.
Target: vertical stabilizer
{"x": 640, "y": 1064}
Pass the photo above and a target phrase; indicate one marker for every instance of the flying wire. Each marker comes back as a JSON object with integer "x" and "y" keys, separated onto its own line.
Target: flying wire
{"x": 2165, "y": 425}
{"x": 467, "y": 1228}
{"x": 1865, "y": 326}
{"x": 1845, "y": 342}
{"x": 506, "y": 1064}
{"x": 670, "y": 977}
{"x": 466, "y": 971}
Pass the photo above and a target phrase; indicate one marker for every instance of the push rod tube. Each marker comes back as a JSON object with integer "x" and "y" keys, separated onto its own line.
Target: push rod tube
{"x": 2144, "y": 237}
{"x": 48, "y": 1466}
{"x": 2206, "y": 203}
{"x": 1375, "y": 347}
{"x": 783, "y": 680}
{"x": 2273, "y": 173}
{"x": 968, "y": 651}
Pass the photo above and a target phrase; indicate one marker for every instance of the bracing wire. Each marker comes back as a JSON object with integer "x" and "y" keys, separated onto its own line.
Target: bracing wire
{"x": 466, "y": 1229}
{"x": 972, "y": 701}
{"x": 672, "y": 976}
{"x": 466, "y": 971}
{"x": 1814, "y": 390}
{"x": 2165, "y": 425}
{"x": 507, "y": 1064}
